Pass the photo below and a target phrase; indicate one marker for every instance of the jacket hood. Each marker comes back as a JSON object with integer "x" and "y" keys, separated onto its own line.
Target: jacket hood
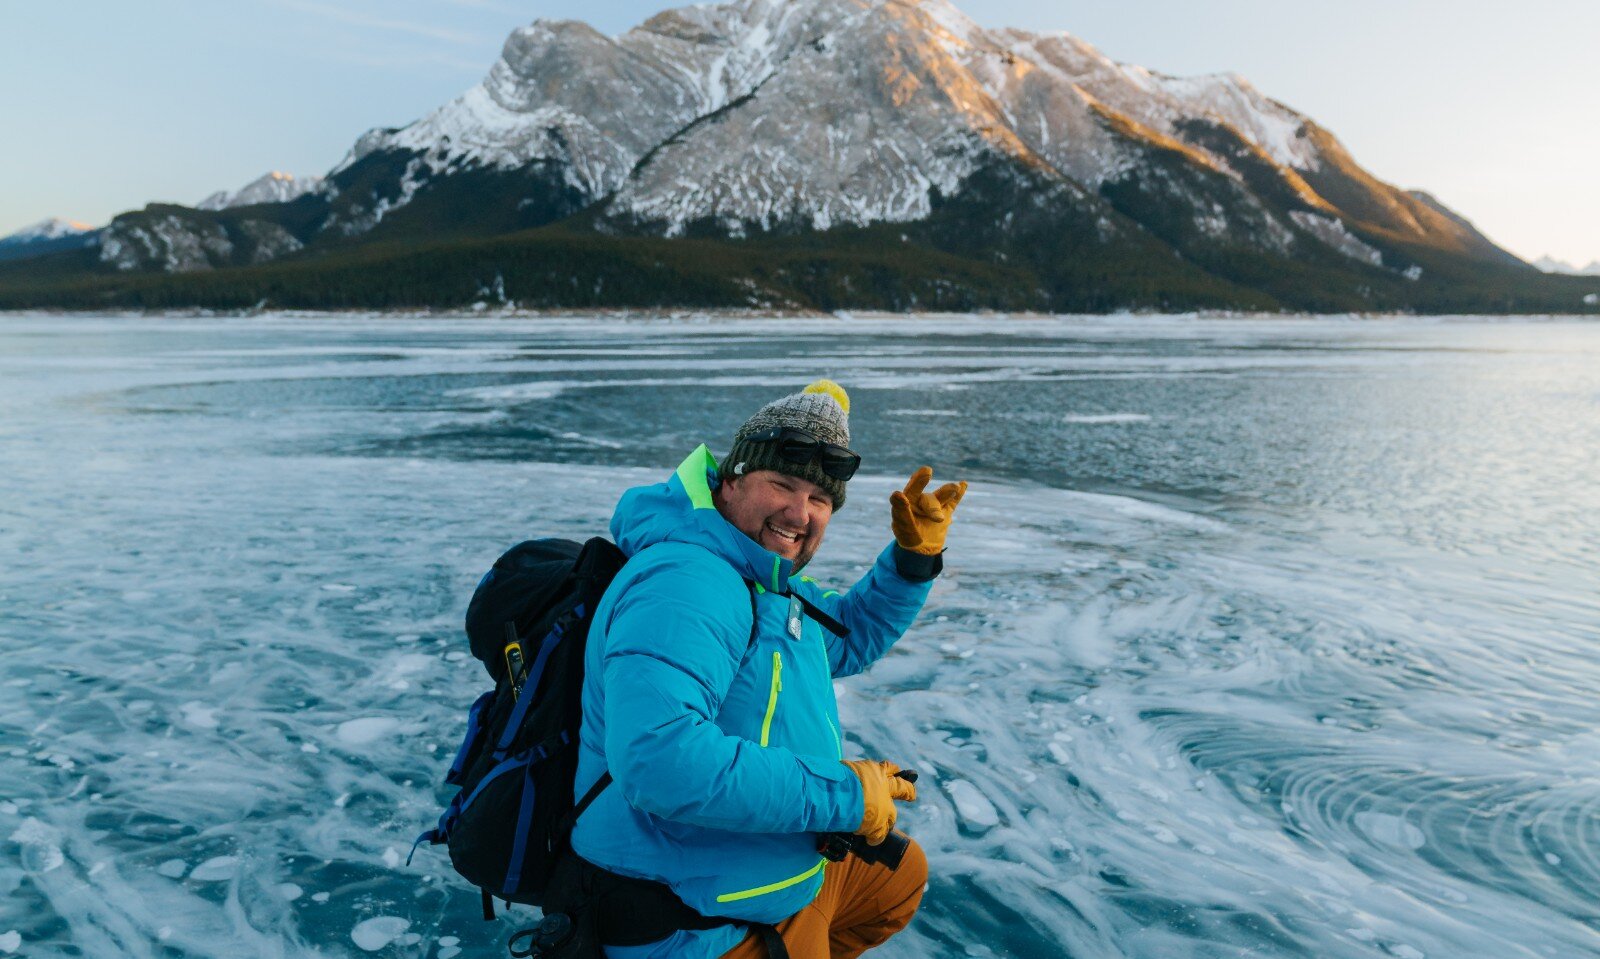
{"x": 681, "y": 511}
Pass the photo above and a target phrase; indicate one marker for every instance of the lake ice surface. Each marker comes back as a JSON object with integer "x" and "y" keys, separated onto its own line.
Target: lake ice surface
{"x": 1266, "y": 637}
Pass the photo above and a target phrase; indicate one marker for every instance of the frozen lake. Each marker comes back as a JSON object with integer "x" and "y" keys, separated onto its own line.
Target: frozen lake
{"x": 1259, "y": 637}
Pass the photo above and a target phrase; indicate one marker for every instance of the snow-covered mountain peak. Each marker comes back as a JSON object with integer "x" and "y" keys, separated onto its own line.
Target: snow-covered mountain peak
{"x": 1549, "y": 264}
{"x": 954, "y": 23}
{"x": 272, "y": 187}
{"x": 839, "y": 106}
{"x": 55, "y": 228}
{"x": 768, "y": 114}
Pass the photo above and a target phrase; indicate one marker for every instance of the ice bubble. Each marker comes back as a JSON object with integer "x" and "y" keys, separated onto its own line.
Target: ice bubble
{"x": 974, "y": 808}
{"x": 1060, "y": 754}
{"x": 375, "y": 933}
{"x": 8, "y": 808}
{"x": 1406, "y": 952}
{"x": 361, "y": 732}
{"x": 320, "y": 897}
{"x": 199, "y": 715}
{"x": 289, "y": 891}
{"x": 449, "y": 952}
{"x": 173, "y": 868}
{"x": 10, "y": 941}
{"x": 448, "y": 941}
{"x": 338, "y": 588}
{"x": 391, "y": 857}
{"x": 40, "y": 850}
{"x": 216, "y": 869}
{"x": 1390, "y": 830}
{"x": 1552, "y": 859}
{"x": 309, "y": 748}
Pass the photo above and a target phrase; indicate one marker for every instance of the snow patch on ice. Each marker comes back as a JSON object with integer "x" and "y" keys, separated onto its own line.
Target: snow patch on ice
{"x": 10, "y": 941}
{"x": 367, "y": 730}
{"x": 974, "y": 808}
{"x": 216, "y": 869}
{"x": 1099, "y": 418}
{"x": 41, "y": 849}
{"x": 375, "y": 933}
{"x": 199, "y": 716}
{"x": 1390, "y": 830}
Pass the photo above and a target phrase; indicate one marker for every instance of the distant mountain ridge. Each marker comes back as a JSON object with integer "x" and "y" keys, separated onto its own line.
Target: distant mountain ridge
{"x": 272, "y": 187}
{"x": 53, "y": 235}
{"x": 851, "y": 140}
{"x": 1550, "y": 264}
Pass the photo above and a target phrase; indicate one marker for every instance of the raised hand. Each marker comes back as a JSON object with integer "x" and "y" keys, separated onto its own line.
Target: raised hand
{"x": 921, "y": 519}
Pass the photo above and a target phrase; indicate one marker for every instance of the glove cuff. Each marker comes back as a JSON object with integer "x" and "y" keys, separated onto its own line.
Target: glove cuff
{"x": 917, "y": 567}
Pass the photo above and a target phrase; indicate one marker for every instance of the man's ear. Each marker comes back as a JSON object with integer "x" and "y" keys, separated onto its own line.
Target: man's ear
{"x": 724, "y": 480}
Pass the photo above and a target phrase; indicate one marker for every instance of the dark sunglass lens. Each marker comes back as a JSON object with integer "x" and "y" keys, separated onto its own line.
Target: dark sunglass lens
{"x": 840, "y": 464}
{"x": 797, "y": 451}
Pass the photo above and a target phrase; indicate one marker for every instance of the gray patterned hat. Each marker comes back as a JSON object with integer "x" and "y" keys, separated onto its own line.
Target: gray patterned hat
{"x": 821, "y": 409}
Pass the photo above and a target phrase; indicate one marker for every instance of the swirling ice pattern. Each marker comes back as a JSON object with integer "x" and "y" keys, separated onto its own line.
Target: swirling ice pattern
{"x": 1309, "y": 674}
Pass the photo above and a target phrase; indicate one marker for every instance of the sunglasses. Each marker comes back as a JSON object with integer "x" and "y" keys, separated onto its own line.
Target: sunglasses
{"x": 801, "y": 448}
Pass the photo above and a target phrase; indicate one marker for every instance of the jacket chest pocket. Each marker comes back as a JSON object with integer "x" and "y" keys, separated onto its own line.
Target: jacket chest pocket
{"x": 775, "y": 687}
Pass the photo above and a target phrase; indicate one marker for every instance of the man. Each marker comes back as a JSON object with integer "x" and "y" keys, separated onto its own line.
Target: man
{"x": 708, "y": 693}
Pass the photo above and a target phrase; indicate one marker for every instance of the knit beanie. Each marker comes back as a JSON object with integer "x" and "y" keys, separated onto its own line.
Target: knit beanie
{"x": 821, "y": 409}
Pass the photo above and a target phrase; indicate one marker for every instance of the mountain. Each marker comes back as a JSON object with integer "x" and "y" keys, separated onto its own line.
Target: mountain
{"x": 47, "y": 236}
{"x": 1552, "y": 265}
{"x": 273, "y": 187}
{"x": 828, "y": 153}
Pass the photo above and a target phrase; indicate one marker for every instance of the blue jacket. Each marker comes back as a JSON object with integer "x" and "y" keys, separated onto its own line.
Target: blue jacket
{"x": 725, "y": 749}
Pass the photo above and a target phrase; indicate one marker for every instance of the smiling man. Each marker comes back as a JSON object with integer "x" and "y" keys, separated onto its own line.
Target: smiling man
{"x": 708, "y": 700}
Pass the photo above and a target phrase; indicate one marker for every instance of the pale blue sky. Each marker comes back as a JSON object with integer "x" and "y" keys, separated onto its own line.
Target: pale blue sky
{"x": 108, "y": 104}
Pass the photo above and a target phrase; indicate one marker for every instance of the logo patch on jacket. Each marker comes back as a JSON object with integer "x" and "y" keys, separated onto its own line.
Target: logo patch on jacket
{"x": 796, "y": 621}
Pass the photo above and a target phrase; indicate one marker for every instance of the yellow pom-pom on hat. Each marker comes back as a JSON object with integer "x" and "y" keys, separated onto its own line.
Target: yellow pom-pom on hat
{"x": 832, "y": 389}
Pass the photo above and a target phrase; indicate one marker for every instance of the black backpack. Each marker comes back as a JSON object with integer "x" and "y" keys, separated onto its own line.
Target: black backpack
{"x": 528, "y": 622}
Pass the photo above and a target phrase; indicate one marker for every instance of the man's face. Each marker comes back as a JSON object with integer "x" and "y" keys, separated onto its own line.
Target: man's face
{"x": 783, "y": 513}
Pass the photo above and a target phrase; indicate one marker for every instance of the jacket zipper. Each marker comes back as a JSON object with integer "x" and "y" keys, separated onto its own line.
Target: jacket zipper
{"x": 772, "y": 697}
{"x": 773, "y": 887}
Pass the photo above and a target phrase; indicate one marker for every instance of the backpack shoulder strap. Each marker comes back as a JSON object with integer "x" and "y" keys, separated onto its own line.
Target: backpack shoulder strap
{"x": 588, "y": 797}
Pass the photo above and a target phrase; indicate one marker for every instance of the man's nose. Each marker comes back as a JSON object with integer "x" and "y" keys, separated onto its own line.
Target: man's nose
{"x": 797, "y": 510}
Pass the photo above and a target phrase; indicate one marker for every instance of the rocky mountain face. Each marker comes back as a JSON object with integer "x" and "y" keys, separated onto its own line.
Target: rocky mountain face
{"x": 813, "y": 118}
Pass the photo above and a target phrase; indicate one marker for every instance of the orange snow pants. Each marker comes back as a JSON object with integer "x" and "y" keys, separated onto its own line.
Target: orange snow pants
{"x": 860, "y": 906}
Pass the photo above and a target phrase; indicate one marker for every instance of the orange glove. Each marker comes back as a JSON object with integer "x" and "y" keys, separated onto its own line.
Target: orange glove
{"x": 881, "y": 787}
{"x": 919, "y": 519}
